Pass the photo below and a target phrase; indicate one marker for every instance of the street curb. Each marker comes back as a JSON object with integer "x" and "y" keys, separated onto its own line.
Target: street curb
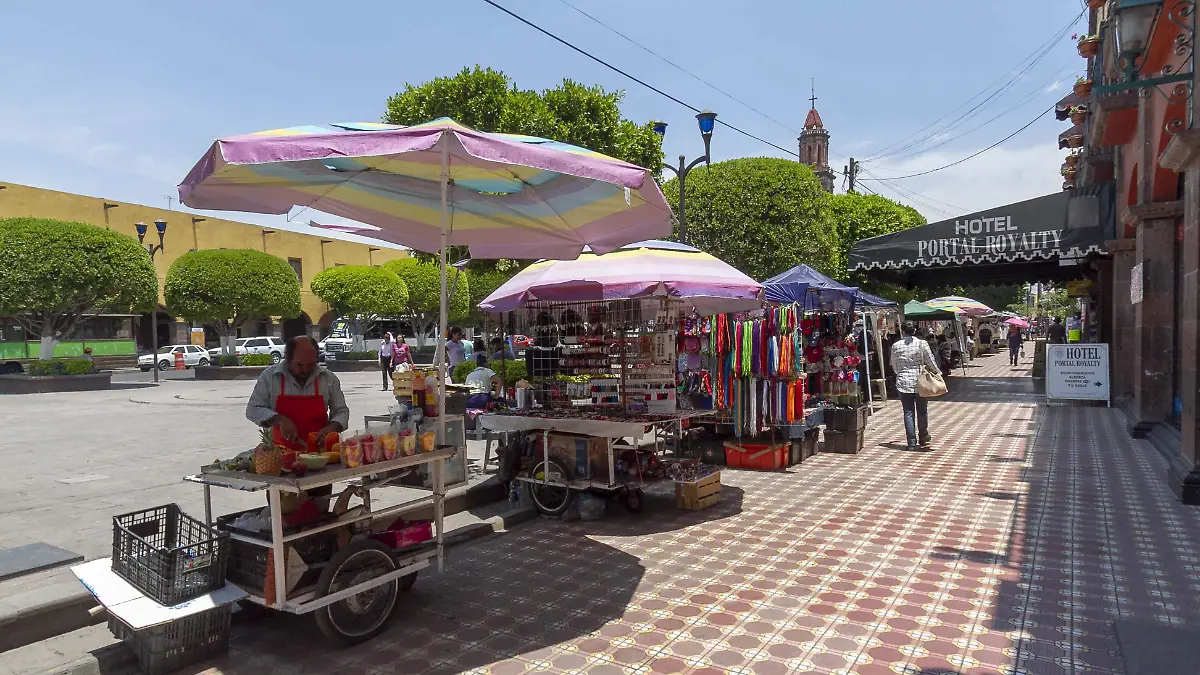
{"x": 117, "y": 659}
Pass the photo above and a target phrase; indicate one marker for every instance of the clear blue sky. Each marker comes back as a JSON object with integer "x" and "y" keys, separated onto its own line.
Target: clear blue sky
{"x": 119, "y": 99}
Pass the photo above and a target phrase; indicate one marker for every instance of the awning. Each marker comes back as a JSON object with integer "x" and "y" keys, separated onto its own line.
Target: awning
{"x": 918, "y": 311}
{"x": 1064, "y": 137}
{"x": 868, "y": 301}
{"x": 1062, "y": 110}
{"x": 998, "y": 245}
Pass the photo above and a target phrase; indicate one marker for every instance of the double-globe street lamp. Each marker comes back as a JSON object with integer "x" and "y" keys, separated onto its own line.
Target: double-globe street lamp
{"x": 152, "y": 248}
{"x": 707, "y": 121}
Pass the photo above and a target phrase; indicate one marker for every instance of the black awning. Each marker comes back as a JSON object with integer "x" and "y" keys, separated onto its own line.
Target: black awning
{"x": 1040, "y": 232}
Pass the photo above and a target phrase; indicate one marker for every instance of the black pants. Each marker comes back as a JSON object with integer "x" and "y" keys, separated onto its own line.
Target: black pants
{"x": 385, "y": 364}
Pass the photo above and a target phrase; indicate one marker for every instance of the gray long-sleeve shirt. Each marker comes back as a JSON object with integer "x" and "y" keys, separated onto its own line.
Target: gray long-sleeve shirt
{"x": 909, "y": 355}
{"x": 261, "y": 406}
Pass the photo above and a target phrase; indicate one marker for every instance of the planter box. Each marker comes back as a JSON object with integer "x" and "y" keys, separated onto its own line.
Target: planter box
{"x": 42, "y": 384}
{"x": 846, "y": 419}
{"x": 341, "y": 366}
{"x": 228, "y": 372}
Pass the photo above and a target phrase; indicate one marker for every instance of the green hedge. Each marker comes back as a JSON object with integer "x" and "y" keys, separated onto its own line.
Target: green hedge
{"x": 257, "y": 360}
{"x": 228, "y": 360}
{"x": 514, "y": 370}
{"x": 59, "y": 367}
{"x": 358, "y": 356}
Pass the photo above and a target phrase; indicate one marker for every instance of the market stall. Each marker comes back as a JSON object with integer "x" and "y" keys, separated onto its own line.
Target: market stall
{"x": 605, "y": 365}
{"x": 928, "y": 319}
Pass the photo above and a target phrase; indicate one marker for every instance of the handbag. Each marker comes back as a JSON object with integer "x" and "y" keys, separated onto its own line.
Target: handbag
{"x": 930, "y": 384}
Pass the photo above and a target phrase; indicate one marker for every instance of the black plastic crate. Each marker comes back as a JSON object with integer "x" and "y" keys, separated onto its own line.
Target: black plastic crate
{"x": 171, "y": 646}
{"x": 168, "y": 555}
{"x": 247, "y": 565}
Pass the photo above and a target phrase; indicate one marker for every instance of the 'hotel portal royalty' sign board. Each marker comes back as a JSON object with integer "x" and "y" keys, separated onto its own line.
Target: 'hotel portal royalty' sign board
{"x": 1078, "y": 372}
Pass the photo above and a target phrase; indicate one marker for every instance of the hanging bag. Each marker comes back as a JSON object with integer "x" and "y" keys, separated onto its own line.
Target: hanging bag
{"x": 930, "y": 384}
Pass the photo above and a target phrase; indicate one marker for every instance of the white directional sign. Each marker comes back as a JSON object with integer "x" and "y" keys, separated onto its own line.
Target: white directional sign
{"x": 1077, "y": 372}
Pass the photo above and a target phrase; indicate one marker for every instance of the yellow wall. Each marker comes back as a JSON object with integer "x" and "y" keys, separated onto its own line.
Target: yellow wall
{"x": 183, "y": 234}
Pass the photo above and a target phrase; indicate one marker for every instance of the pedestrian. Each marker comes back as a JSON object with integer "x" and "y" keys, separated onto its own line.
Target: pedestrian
{"x": 387, "y": 351}
{"x": 456, "y": 348}
{"x": 402, "y": 354}
{"x": 1014, "y": 344}
{"x": 1057, "y": 332}
{"x": 909, "y": 356}
{"x": 945, "y": 355}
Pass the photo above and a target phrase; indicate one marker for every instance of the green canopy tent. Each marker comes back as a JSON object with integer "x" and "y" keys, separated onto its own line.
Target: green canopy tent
{"x": 919, "y": 311}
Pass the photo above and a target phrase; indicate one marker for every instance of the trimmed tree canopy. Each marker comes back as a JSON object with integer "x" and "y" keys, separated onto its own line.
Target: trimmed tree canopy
{"x": 763, "y": 215}
{"x": 54, "y": 274}
{"x": 423, "y": 280}
{"x": 488, "y": 100}
{"x": 227, "y": 288}
{"x": 360, "y": 290}
{"x": 860, "y": 217}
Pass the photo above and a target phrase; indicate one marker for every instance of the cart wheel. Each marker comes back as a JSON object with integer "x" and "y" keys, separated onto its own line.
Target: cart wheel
{"x": 633, "y": 500}
{"x": 359, "y": 617}
{"x": 549, "y": 499}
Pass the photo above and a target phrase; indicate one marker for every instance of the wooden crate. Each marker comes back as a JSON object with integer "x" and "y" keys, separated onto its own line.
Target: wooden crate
{"x": 700, "y": 494}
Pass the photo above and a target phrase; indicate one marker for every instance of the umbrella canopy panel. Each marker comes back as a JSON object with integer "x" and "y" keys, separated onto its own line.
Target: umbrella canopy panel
{"x": 919, "y": 311}
{"x": 806, "y": 286}
{"x": 510, "y": 196}
{"x": 644, "y": 269}
{"x": 952, "y": 302}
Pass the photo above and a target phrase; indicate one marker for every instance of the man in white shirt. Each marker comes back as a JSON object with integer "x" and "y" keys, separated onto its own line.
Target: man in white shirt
{"x": 484, "y": 384}
{"x": 909, "y": 356}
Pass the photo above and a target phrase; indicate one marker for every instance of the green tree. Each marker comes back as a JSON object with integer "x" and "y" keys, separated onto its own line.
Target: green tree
{"x": 423, "y": 280}
{"x": 226, "y": 288}
{"x": 484, "y": 281}
{"x": 55, "y": 274}
{"x": 360, "y": 292}
{"x": 763, "y": 215}
{"x": 488, "y": 100}
{"x": 858, "y": 217}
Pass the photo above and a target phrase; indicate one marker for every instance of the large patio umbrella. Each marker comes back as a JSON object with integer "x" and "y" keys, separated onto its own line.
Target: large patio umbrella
{"x": 435, "y": 185}
{"x": 968, "y": 306}
{"x": 642, "y": 270}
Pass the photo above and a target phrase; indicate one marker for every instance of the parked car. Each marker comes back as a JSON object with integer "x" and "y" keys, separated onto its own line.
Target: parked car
{"x": 274, "y": 346}
{"x": 520, "y": 342}
{"x": 165, "y": 358}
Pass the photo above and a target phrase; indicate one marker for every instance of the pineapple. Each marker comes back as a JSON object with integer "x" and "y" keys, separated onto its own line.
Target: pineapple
{"x": 268, "y": 460}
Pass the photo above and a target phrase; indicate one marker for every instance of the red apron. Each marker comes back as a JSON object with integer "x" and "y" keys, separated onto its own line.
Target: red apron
{"x": 310, "y": 414}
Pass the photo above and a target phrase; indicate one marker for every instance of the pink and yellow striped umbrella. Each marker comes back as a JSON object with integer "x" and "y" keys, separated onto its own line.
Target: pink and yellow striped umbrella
{"x": 509, "y": 196}
{"x": 958, "y": 303}
{"x": 642, "y": 270}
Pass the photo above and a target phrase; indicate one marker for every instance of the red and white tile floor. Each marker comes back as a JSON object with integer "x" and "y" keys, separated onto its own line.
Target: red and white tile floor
{"x": 1008, "y": 548}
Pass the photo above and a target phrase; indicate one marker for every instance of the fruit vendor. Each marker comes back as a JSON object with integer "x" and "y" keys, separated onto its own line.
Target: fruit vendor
{"x": 296, "y": 398}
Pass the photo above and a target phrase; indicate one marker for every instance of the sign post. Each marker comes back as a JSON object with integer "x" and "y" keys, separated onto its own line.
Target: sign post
{"x": 1078, "y": 372}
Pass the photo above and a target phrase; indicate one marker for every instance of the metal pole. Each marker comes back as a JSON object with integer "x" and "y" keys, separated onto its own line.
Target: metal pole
{"x": 683, "y": 171}
{"x": 443, "y": 310}
{"x": 867, "y": 361}
{"x": 154, "y": 336}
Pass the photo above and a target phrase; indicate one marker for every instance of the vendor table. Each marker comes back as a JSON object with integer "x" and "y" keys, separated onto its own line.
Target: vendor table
{"x": 365, "y": 478}
{"x": 609, "y": 430}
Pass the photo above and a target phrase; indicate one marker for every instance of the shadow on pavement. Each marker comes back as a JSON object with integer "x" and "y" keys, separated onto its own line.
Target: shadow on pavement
{"x": 994, "y": 390}
{"x": 133, "y": 385}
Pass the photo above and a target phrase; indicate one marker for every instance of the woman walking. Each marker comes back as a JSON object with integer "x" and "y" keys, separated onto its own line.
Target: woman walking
{"x": 909, "y": 356}
{"x": 1014, "y": 344}
{"x": 387, "y": 350}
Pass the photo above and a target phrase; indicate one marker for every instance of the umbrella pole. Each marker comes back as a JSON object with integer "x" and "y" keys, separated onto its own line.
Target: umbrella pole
{"x": 867, "y": 361}
{"x": 443, "y": 309}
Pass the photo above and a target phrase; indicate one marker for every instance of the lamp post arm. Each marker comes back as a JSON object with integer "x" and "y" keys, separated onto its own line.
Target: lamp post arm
{"x": 702, "y": 158}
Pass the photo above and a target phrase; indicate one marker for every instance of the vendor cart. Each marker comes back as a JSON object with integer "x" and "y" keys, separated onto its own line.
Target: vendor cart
{"x": 553, "y": 484}
{"x": 357, "y": 589}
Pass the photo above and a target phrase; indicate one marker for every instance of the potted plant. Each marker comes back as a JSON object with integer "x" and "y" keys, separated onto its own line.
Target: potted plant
{"x": 1083, "y": 87}
{"x": 1075, "y": 141}
{"x": 1089, "y": 45}
{"x": 1068, "y": 172}
{"x": 1078, "y": 114}
{"x": 1096, "y": 4}
{"x": 1072, "y": 160}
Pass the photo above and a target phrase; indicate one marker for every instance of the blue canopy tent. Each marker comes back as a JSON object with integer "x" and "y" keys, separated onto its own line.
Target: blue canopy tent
{"x": 805, "y": 286}
{"x": 868, "y": 301}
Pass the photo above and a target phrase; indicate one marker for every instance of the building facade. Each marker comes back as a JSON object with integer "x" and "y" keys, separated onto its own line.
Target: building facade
{"x": 814, "y": 148}
{"x": 1139, "y": 126}
{"x": 308, "y": 254}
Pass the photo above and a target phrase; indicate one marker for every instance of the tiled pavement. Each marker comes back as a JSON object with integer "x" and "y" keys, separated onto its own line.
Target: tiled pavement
{"x": 1009, "y": 548}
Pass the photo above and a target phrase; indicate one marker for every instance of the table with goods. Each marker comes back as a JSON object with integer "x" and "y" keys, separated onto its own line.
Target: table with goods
{"x": 602, "y": 376}
{"x": 170, "y": 583}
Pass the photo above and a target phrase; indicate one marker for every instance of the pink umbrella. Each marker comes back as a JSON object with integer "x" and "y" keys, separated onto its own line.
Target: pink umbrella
{"x": 1019, "y": 323}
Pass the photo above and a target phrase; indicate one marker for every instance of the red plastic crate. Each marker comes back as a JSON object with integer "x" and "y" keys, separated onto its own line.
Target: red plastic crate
{"x": 759, "y": 456}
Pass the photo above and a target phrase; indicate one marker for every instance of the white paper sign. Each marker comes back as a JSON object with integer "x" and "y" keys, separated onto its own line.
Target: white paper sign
{"x": 1077, "y": 372}
{"x": 1135, "y": 284}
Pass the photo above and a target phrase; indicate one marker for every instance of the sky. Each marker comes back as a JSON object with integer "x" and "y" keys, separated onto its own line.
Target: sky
{"x": 119, "y": 100}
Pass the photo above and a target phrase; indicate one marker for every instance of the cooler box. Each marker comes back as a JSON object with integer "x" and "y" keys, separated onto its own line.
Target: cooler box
{"x": 759, "y": 456}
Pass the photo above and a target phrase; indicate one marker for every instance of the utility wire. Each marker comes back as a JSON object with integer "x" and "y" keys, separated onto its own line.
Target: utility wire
{"x": 640, "y": 81}
{"x": 969, "y": 157}
{"x": 925, "y": 200}
{"x": 1037, "y": 56}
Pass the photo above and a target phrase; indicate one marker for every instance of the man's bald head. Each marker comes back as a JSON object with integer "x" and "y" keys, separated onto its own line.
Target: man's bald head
{"x": 301, "y": 356}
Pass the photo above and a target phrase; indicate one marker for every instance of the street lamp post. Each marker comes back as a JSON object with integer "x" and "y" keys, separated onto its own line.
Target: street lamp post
{"x": 707, "y": 120}
{"x": 152, "y": 248}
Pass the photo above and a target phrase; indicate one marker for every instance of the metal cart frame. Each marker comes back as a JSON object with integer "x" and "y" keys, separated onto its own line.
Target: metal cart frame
{"x": 305, "y": 600}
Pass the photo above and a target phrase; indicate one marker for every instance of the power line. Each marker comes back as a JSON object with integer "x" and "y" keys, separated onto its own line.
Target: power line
{"x": 1038, "y": 54}
{"x": 640, "y": 81}
{"x": 925, "y": 200}
{"x": 685, "y": 71}
{"x": 969, "y": 157}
